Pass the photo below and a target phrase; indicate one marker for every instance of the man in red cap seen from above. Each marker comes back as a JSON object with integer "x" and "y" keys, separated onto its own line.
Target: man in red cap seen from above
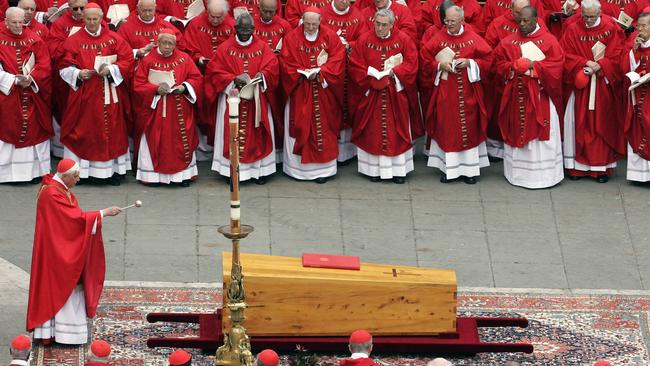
{"x": 267, "y": 357}
{"x": 20, "y": 349}
{"x": 165, "y": 132}
{"x": 180, "y": 358}
{"x": 97, "y": 65}
{"x": 593, "y": 122}
{"x": 360, "y": 346}
{"x": 312, "y": 63}
{"x": 68, "y": 262}
{"x": 530, "y": 105}
{"x": 99, "y": 353}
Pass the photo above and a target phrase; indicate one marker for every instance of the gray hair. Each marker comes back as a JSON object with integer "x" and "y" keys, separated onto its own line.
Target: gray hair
{"x": 361, "y": 347}
{"x": 515, "y": 2}
{"x": 590, "y": 4}
{"x": 141, "y": 1}
{"x": 242, "y": 17}
{"x": 458, "y": 9}
{"x": 386, "y": 13}
{"x": 219, "y": 4}
{"x": 23, "y": 1}
{"x": 20, "y": 354}
{"x": 14, "y": 10}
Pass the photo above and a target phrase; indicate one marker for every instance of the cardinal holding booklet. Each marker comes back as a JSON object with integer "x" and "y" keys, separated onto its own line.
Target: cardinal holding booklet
{"x": 529, "y": 65}
{"x": 636, "y": 60}
{"x": 312, "y": 63}
{"x": 593, "y": 129}
{"x": 25, "y": 89}
{"x": 384, "y": 63}
{"x": 97, "y": 66}
{"x": 244, "y": 62}
{"x": 457, "y": 116}
{"x": 166, "y": 82}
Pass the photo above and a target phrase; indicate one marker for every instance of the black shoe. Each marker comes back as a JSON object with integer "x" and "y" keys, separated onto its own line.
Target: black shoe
{"x": 260, "y": 181}
{"x": 113, "y": 181}
{"x": 375, "y": 179}
{"x": 321, "y": 180}
{"x": 185, "y": 183}
{"x": 574, "y": 177}
{"x": 602, "y": 178}
{"x": 399, "y": 180}
{"x": 227, "y": 180}
{"x": 443, "y": 178}
{"x": 469, "y": 180}
{"x": 494, "y": 159}
{"x": 36, "y": 180}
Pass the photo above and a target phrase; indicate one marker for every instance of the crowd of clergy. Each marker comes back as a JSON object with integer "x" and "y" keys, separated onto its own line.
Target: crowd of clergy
{"x": 551, "y": 87}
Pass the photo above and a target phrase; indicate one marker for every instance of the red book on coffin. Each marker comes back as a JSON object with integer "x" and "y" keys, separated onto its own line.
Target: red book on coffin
{"x": 331, "y": 261}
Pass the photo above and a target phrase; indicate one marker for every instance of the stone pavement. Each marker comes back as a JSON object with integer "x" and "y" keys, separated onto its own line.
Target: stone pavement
{"x": 579, "y": 235}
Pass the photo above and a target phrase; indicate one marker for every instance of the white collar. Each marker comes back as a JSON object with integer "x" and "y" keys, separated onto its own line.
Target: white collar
{"x": 160, "y": 53}
{"x": 99, "y": 32}
{"x": 147, "y": 22}
{"x": 595, "y": 24}
{"x": 247, "y": 43}
{"x": 462, "y": 29}
{"x": 537, "y": 27}
{"x": 645, "y": 44}
{"x": 311, "y": 37}
{"x": 58, "y": 179}
{"x": 340, "y": 12}
{"x": 387, "y": 36}
{"x": 358, "y": 355}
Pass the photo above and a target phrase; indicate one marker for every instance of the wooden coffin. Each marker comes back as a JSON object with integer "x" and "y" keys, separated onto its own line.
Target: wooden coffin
{"x": 286, "y": 299}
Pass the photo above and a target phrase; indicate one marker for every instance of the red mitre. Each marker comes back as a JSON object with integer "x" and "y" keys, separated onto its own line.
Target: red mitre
{"x": 179, "y": 357}
{"x": 100, "y": 349}
{"x": 268, "y": 357}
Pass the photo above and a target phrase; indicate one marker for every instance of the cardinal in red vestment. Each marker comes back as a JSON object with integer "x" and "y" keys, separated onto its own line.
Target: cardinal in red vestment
{"x": 244, "y": 62}
{"x": 29, "y": 6}
{"x": 528, "y": 112}
{"x": 312, "y": 63}
{"x": 360, "y": 345}
{"x": 495, "y": 8}
{"x": 202, "y": 37}
{"x": 593, "y": 122}
{"x": 272, "y": 28}
{"x": 25, "y": 90}
{"x": 414, "y": 6}
{"x": 457, "y": 115}
{"x": 68, "y": 263}
{"x": 97, "y": 65}
{"x": 635, "y": 8}
{"x": 384, "y": 63}
{"x": 20, "y": 350}
{"x": 254, "y": 6}
{"x": 636, "y": 58}
{"x": 142, "y": 28}
{"x": 70, "y": 22}
{"x": 349, "y": 23}
{"x": 99, "y": 353}
{"x": 166, "y": 129}
{"x": 294, "y": 9}
{"x": 471, "y": 8}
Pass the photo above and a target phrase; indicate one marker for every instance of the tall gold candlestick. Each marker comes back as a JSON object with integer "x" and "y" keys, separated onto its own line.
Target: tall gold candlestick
{"x": 236, "y": 350}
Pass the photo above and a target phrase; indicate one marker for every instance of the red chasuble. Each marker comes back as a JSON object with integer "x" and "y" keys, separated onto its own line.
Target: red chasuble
{"x": 139, "y": 34}
{"x": 524, "y": 112}
{"x": 202, "y": 38}
{"x": 293, "y": 9}
{"x": 43, "y": 5}
{"x": 174, "y": 8}
{"x": 232, "y": 60}
{"x": 634, "y": 8}
{"x": 26, "y": 115}
{"x": 253, "y": 7}
{"x": 457, "y": 115}
{"x": 348, "y": 26}
{"x": 381, "y": 124}
{"x": 171, "y": 137}
{"x": 598, "y": 133}
{"x": 403, "y": 19}
{"x": 314, "y": 111}
{"x": 272, "y": 33}
{"x": 65, "y": 254}
{"x": 472, "y": 9}
{"x": 414, "y": 6}
{"x": 40, "y": 29}
{"x": 86, "y": 108}
{"x": 637, "y": 121}
{"x": 358, "y": 362}
{"x": 105, "y": 4}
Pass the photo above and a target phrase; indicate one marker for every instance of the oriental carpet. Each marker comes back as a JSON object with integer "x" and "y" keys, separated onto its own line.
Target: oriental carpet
{"x": 564, "y": 329}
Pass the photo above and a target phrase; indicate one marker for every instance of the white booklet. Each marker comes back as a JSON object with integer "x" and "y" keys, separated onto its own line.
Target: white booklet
{"x": 377, "y": 74}
{"x": 392, "y": 61}
{"x": 309, "y": 72}
{"x": 446, "y": 55}
{"x": 73, "y": 30}
{"x": 637, "y": 80}
{"x": 624, "y": 20}
{"x": 322, "y": 58}
{"x": 58, "y": 13}
{"x": 236, "y": 12}
{"x": 158, "y": 77}
{"x": 100, "y": 60}
{"x": 117, "y": 13}
{"x": 28, "y": 65}
{"x": 530, "y": 51}
{"x": 248, "y": 91}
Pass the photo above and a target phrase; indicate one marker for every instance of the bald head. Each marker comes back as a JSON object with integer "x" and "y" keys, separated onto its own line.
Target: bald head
{"x": 147, "y": 9}
{"x": 517, "y": 7}
{"x": 218, "y": 6}
{"x": 14, "y": 19}
{"x": 439, "y": 362}
{"x": 29, "y": 6}
{"x": 268, "y": 8}
{"x": 311, "y": 22}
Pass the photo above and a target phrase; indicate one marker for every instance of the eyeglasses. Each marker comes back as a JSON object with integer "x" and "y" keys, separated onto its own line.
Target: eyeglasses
{"x": 76, "y": 8}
